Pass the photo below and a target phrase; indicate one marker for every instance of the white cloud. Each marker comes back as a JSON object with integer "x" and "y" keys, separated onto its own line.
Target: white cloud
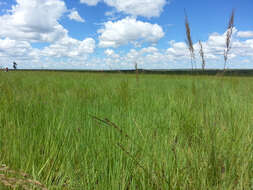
{"x": 38, "y": 21}
{"x": 111, "y": 53}
{"x": 34, "y": 21}
{"x": 149, "y": 50}
{"x": 214, "y": 49}
{"x": 22, "y": 52}
{"x": 243, "y": 48}
{"x": 245, "y": 34}
{"x": 13, "y": 48}
{"x": 70, "y": 47}
{"x": 177, "y": 55}
{"x": 214, "y": 46}
{"x": 31, "y": 21}
{"x": 19, "y": 51}
{"x": 178, "y": 52}
{"x": 90, "y": 2}
{"x": 129, "y": 30}
{"x": 145, "y": 8}
{"x": 149, "y": 57}
{"x": 74, "y": 15}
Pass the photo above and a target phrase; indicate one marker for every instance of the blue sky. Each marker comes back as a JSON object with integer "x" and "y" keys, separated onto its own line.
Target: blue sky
{"x": 114, "y": 34}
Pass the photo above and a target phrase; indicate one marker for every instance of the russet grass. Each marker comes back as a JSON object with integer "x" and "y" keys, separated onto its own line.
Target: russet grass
{"x": 15, "y": 179}
{"x": 105, "y": 131}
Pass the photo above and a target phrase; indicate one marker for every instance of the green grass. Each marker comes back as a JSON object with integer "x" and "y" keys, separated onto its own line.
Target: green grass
{"x": 185, "y": 132}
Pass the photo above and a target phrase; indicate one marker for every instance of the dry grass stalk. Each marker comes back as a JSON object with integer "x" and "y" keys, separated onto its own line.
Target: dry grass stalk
{"x": 228, "y": 38}
{"x": 111, "y": 124}
{"x": 189, "y": 39}
{"x": 14, "y": 179}
{"x": 136, "y": 71}
{"x": 132, "y": 157}
{"x": 201, "y": 52}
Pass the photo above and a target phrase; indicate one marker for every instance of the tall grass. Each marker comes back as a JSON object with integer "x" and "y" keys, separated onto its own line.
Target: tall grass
{"x": 229, "y": 38}
{"x": 201, "y": 53}
{"x": 136, "y": 71}
{"x": 169, "y": 132}
{"x": 189, "y": 39}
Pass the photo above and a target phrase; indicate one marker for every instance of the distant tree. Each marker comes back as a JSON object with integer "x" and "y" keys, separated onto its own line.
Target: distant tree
{"x": 14, "y": 65}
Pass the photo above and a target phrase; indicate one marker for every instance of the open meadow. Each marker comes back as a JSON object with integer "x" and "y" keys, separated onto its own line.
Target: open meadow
{"x": 62, "y": 130}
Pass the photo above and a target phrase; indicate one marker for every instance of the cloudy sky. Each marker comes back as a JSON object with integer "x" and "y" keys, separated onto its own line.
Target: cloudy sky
{"x": 114, "y": 34}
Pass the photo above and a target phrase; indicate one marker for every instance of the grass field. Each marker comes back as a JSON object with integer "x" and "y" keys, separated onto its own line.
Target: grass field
{"x": 164, "y": 132}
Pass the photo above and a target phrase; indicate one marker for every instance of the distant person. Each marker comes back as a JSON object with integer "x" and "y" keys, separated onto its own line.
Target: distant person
{"x": 6, "y": 69}
{"x": 14, "y": 65}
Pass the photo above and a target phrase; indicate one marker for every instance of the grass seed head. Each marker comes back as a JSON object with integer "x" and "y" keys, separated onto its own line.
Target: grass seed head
{"x": 201, "y": 52}
{"x": 229, "y": 37}
{"x": 189, "y": 39}
{"x": 14, "y": 179}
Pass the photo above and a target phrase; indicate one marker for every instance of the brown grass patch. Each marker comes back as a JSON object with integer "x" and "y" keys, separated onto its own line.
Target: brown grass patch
{"x": 14, "y": 179}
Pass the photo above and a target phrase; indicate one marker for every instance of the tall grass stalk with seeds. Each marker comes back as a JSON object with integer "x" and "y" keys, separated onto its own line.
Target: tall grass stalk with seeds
{"x": 189, "y": 40}
{"x": 229, "y": 38}
{"x": 201, "y": 53}
{"x": 136, "y": 71}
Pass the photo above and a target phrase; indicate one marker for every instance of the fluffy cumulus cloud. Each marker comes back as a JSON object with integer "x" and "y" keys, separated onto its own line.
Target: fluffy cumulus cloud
{"x": 70, "y": 47}
{"x": 177, "y": 55}
{"x": 145, "y": 8}
{"x": 245, "y": 34}
{"x": 214, "y": 46}
{"x": 177, "y": 50}
{"x": 149, "y": 50}
{"x": 34, "y": 21}
{"x": 74, "y": 15}
{"x": 31, "y": 21}
{"x": 148, "y": 57}
{"x": 12, "y": 48}
{"x": 111, "y": 53}
{"x": 90, "y": 2}
{"x": 23, "y": 52}
{"x": 16, "y": 50}
{"x": 128, "y": 30}
{"x": 213, "y": 49}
